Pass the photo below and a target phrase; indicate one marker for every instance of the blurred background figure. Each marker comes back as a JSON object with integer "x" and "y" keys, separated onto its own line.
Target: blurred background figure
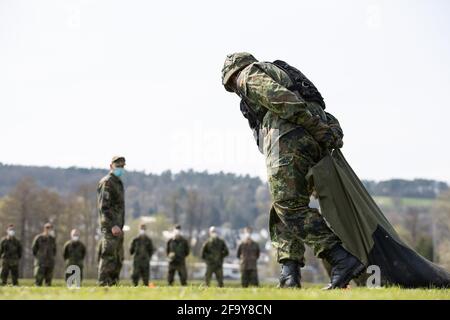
{"x": 248, "y": 254}
{"x": 214, "y": 250}
{"x": 44, "y": 252}
{"x": 10, "y": 253}
{"x": 74, "y": 252}
{"x": 142, "y": 249}
{"x": 177, "y": 251}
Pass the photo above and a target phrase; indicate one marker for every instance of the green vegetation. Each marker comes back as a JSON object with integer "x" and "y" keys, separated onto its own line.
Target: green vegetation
{"x": 197, "y": 291}
{"x": 389, "y": 202}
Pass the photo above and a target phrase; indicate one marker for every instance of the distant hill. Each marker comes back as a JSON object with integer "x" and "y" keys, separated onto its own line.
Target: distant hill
{"x": 224, "y": 197}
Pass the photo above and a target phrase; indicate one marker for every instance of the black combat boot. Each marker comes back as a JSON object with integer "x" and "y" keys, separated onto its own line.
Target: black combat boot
{"x": 344, "y": 267}
{"x": 290, "y": 274}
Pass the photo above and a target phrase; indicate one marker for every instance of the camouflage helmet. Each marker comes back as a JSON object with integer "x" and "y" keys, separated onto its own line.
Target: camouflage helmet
{"x": 234, "y": 63}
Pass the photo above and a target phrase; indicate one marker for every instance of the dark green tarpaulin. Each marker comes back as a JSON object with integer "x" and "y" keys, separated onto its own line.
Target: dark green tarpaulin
{"x": 365, "y": 232}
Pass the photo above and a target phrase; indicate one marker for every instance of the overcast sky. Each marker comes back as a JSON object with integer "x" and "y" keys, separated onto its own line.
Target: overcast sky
{"x": 81, "y": 81}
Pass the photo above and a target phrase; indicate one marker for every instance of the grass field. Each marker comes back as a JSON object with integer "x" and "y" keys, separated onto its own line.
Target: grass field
{"x": 197, "y": 291}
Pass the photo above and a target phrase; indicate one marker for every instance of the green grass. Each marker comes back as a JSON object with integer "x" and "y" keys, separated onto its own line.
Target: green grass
{"x": 410, "y": 202}
{"x": 197, "y": 291}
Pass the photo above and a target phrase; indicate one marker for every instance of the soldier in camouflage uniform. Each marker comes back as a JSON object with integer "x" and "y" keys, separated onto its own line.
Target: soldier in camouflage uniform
{"x": 74, "y": 252}
{"x": 111, "y": 209}
{"x": 44, "y": 251}
{"x": 10, "y": 254}
{"x": 177, "y": 251}
{"x": 248, "y": 254}
{"x": 296, "y": 135}
{"x": 214, "y": 250}
{"x": 142, "y": 249}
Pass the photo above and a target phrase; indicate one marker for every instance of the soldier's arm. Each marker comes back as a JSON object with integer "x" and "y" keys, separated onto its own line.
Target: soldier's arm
{"x": 225, "y": 250}
{"x": 99, "y": 251}
{"x": 239, "y": 251}
{"x": 2, "y": 249}
{"x": 257, "y": 251}
{"x": 204, "y": 250}
{"x": 132, "y": 247}
{"x": 168, "y": 247}
{"x": 35, "y": 246}
{"x": 19, "y": 249}
{"x": 150, "y": 248}
{"x": 263, "y": 90}
{"x": 66, "y": 251}
{"x": 338, "y": 133}
{"x": 54, "y": 247}
{"x": 187, "y": 249}
{"x": 83, "y": 251}
{"x": 105, "y": 206}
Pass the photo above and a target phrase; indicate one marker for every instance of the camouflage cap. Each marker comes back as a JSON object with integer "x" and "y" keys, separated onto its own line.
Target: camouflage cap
{"x": 234, "y": 63}
{"x": 118, "y": 159}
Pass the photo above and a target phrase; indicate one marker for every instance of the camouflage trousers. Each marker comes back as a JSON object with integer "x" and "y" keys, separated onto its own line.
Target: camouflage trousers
{"x": 249, "y": 278}
{"x": 214, "y": 269}
{"x": 292, "y": 222}
{"x": 43, "y": 273}
{"x": 141, "y": 270}
{"x": 9, "y": 267}
{"x": 111, "y": 258}
{"x": 182, "y": 273}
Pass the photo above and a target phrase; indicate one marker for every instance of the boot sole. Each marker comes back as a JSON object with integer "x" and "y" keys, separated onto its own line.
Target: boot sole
{"x": 352, "y": 275}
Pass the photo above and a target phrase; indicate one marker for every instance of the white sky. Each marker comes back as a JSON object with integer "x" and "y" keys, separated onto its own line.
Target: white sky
{"x": 81, "y": 81}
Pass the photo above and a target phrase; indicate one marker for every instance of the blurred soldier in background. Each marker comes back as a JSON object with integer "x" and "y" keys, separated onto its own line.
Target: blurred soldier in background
{"x": 111, "y": 209}
{"x": 214, "y": 250}
{"x": 142, "y": 249}
{"x": 248, "y": 253}
{"x": 74, "y": 252}
{"x": 10, "y": 253}
{"x": 44, "y": 251}
{"x": 177, "y": 251}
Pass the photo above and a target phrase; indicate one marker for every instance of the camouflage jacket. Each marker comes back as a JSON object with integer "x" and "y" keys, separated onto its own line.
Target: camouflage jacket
{"x": 264, "y": 86}
{"x": 248, "y": 253}
{"x": 142, "y": 248}
{"x": 44, "y": 250}
{"x": 10, "y": 249}
{"x": 74, "y": 252}
{"x": 214, "y": 250}
{"x": 177, "y": 250}
{"x": 110, "y": 203}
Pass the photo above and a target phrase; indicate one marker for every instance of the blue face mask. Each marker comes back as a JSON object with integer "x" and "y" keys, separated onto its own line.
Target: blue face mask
{"x": 118, "y": 172}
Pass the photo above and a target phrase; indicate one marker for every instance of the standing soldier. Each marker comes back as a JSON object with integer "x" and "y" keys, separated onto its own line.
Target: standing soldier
{"x": 111, "y": 209}
{"x": 10, "y": 253}
{"x": 248, "y": 253}
{"x": 285, "y": 109}
{"x": 214, "y": 250}
{"x": 177, "y": 251}
{"x": 142, "y": 249}
{"x": 74, "y": 252}
{"x": 44, "y": 251}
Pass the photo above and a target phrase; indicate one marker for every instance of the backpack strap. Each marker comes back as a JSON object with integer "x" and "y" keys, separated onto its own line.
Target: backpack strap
{"x": 301, "y": 83}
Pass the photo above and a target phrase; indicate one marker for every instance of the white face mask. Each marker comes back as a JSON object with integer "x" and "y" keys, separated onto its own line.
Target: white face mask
{"x": 247, "y": 236}
{"x": 213, "y": 234}
{"x": 75, "y": 238}
{"x": 176, "y": 232}
{"x": 51, "y": 233}
{"x": 11, "y": 233}
{"x": 141, "y": 232}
